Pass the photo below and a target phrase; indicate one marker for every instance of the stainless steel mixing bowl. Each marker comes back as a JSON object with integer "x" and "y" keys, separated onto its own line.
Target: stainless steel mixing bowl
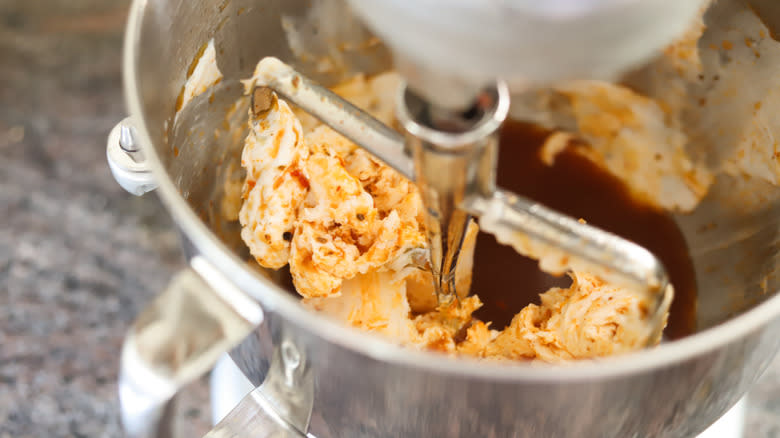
{"x": 325, "y": 379}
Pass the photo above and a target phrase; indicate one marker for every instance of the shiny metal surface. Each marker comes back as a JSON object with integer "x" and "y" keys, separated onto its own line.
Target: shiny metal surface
{"x": 364, "y": 386}
{"x": 454, "y": 157}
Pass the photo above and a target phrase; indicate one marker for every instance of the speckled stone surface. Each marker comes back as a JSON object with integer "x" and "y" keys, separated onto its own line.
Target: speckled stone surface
{"x": 78, "y": 256}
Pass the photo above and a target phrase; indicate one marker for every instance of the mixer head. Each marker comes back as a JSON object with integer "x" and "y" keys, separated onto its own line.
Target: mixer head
{"x": 449, "y": 50}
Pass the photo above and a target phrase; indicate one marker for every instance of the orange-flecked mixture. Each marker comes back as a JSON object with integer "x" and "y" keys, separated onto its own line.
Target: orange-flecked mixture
{"x": 346, "y": 223}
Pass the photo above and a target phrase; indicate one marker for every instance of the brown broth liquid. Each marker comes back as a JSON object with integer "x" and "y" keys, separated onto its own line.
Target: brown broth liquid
{"x": 506, "y": 281}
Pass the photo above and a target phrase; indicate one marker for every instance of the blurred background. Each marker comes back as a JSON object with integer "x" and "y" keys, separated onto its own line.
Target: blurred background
{"x": 79, "y": 257}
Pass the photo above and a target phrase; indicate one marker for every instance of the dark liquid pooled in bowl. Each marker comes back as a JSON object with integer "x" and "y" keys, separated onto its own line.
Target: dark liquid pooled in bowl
{"x": 506, "y": 281}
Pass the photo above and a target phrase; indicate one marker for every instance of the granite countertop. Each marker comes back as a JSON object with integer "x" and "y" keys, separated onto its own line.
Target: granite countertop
{"x": 79, "y": 257}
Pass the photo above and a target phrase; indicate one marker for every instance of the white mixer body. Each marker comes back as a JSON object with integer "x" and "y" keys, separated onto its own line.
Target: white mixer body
{"x": 448, "y": 49}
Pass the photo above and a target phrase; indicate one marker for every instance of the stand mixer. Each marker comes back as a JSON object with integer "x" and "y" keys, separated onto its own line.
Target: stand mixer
{"x": 461, "y": 62}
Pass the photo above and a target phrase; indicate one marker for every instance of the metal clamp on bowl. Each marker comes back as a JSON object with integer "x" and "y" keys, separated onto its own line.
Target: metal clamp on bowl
{"x": 126, "y": 160}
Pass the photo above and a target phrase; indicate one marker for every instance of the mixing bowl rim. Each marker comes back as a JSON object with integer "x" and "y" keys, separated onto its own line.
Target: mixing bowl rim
{"x": 274, "y": 299}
